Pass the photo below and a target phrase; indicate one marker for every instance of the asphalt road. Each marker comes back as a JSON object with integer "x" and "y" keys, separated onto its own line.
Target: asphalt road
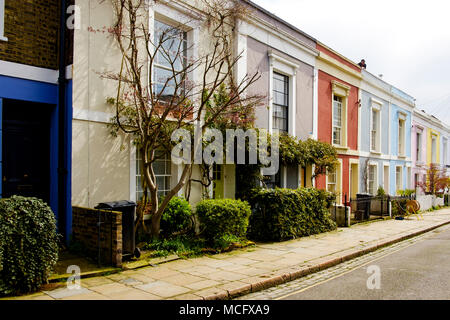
{"x": 418, "y": 271}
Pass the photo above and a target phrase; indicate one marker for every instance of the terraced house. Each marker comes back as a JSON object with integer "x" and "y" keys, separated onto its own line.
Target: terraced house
{"x": 385, "y": 154}
{"x": 338, "y": 119}
{"x": 286, "y": 59}
{"x": 35, "y": 104}
{"x": 429, "y": 140}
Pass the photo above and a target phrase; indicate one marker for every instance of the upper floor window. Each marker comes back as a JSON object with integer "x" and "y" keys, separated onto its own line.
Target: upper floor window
{"x": 337, "y": 120}
{"x": 401, "y": 137}
{"x": 2, "y": 21}
{"x": 340, "y": 93}
{"x": 444, "y": 151}
{"x": 419, "y": 146}
{"x": 375, "y": 131}
{"x": 170, "y": 61}
{"x": 280, "y": 102}
{"x": 433, "y": 149}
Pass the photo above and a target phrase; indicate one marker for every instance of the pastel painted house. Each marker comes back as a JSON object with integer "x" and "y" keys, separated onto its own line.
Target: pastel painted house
{"x": 339, "y": 80}
{"x": 286, "y": 59}
{"x": 430, "y": 145}
{"x": 385, "y": 152}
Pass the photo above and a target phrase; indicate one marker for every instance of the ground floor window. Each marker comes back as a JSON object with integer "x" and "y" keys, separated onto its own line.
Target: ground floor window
{"x": 162, "y": 170}
{"x": 372, "y": 179}
{"x": 399, "y": 178}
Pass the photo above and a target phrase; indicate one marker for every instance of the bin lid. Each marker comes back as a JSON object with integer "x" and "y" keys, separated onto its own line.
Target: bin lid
{"x": 115, "y": 204}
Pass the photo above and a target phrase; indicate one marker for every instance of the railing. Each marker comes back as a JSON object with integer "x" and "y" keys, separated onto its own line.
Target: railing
{"x": 367, "y": 207}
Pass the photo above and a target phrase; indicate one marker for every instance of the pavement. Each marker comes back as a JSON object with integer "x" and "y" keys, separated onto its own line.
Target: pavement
{"x": 245, "y": 271}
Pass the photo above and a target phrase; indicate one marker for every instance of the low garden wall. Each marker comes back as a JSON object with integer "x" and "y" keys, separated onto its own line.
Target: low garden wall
{"x": 429, "y": 201}
{"x": 104, "y": 243}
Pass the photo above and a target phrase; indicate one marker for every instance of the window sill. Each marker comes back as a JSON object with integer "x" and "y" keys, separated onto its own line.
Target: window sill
{"x": 401, "y": 156}
{"x": 375, "y": 152}
{"x": 339, "y": 147}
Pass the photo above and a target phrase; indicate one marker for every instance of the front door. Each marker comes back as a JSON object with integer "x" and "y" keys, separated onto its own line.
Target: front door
{"x": 26, "y": 149}
{"x": 218, "y": 181}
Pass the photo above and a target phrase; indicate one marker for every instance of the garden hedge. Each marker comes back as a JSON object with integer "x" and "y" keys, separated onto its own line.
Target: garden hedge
{"x": 223, "y": 217}
{"x": 28, "y": 244}
{"x": 283, "y": 214}
{"x": 177, "y": 217}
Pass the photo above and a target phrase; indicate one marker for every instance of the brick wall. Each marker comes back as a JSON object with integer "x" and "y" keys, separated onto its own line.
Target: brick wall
{"x": 31, "y": 27}
{"x": 85, "y": 230}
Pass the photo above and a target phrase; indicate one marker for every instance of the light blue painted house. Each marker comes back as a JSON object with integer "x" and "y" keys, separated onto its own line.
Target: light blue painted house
{"x": 384, "y": 137}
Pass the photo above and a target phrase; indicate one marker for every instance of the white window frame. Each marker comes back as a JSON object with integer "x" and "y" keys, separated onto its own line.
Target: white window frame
{"x": 338, "y": 103}
{"x": 434, "y": 141}
{"x": 2, "y": 21}
{"x": 397, "y": 186}
{"x": 287, "y": 68}
{"x": 168, "y": 165}
{"x": 375, "y": 109}
{"x": 338, "y": 189}
{"x": 343, "y": 91}
{"x": 444, "y": 151}
{"x": 408, "y": 177}
{"x": 419, "y": 137}
{"x": 401, "y": 123}
{"x": 386, "y": 182}
{"x": 284, "y": 106}
{"x": 374, "y": 166}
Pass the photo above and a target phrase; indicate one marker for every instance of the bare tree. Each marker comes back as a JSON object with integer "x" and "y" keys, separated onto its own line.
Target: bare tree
{"x": 156, "y": 90}
{"x": 436, "y": 179}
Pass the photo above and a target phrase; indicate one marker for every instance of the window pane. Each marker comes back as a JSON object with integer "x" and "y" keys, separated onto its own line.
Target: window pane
{"x": 174, "y": 44}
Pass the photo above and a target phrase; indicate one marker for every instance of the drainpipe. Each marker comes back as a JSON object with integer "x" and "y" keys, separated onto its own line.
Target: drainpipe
{"x": 62, "y": 147}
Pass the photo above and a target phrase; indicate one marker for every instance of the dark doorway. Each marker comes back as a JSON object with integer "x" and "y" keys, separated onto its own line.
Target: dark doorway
{"x": 26, "y": 149}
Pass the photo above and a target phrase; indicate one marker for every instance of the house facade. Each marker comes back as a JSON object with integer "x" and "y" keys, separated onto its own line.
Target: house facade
{"x": 285, "y": 57}
{"x": 429, "y": 140}
{"x": 385, "y": 136}
{"x": 35, "y": 105}
{"x": 339, "y": 80}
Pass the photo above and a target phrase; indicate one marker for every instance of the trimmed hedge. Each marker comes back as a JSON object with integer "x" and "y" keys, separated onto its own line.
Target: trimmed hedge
{"x": 223, "y": 217}
{"x": 28, "y": 244}
{"x": 283, "y": 214}
{"x": 177, "y": 216}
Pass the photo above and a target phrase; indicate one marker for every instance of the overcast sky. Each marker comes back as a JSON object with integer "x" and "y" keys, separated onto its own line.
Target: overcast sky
{"x": 407, "y": 41}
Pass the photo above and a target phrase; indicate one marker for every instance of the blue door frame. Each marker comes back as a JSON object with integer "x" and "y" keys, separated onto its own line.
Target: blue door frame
{"x": 35, "y": 91}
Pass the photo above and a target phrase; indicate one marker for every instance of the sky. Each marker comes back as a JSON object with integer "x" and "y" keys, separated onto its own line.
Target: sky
{"x": 407, "y": 41}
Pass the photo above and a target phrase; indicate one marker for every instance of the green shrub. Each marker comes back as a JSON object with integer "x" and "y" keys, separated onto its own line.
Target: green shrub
{"x": 177, "y": 217}
{"x": 282, "y": 214}
{"x": 28, "y": 244}
{"x": 380, "y": 191}
{"x": 221, "y": 217}
{"x": 406, "y": 192}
